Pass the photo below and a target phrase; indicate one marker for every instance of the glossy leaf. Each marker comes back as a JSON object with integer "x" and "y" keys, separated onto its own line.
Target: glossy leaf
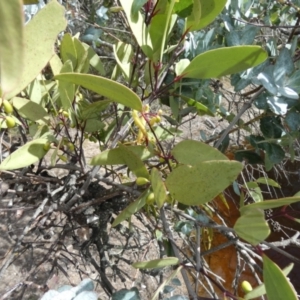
{"x": 158, "y": 187}
{"x": 156, "y": 263}
{"x": 191, "y": 152}
{"x": 196, "y": 186}
{"x": 30, "y": 109}
{"x": 208, "y": 12}
{"x": 26, "y": 155}
{"x": 136, "y": 6}
{"x": 132, "y": 208}
{"x": 38, "y": 54}
{"x": 193, "y": 20}
{"x": 114, "y": 156}
{"x": 224, "y": 61}
{"x": 271, "y": 203}
{"x": 183, "y": 8}
{"x": 252, "y": 227}
{"x": 11, "y": 44}
{"x": 105, "y": 87}
{"x": 277, "y": 285}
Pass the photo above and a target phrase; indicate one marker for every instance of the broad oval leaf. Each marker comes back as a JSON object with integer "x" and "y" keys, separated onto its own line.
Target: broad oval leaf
{"x": 105, "y": 87}
{"x": 224, "y": 61}
{"x": 276, "y": 283}
{"x": 191, "y": 152}
{"x": 11, "y": 44}
{"x": 26, "y": 155}
{"x": 39, "y": 39}
{"x": 114, "y": 156}
{"x": 199, "y": 184}
{"x": 252, "y": 227}
{"x": 156, "y": 263}
{"x": 209, "y": 10}
{"x": 30, "y": 109}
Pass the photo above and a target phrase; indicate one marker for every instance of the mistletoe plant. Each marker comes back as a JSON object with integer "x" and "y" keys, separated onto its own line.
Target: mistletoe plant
{"x": 47, "y": 87}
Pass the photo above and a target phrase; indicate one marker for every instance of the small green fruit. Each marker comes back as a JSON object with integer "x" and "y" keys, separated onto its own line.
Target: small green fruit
{"x": 71, "y": 146}
{"x": 141, "y": 181}
{"x": 7, "y": 107}
{"x": 46, "y": 146}
{"x": 10, "y": 122}
{"x": 65, "y": 114}
{"x": 246, "y": 286}
{"x": 150, "y": 199}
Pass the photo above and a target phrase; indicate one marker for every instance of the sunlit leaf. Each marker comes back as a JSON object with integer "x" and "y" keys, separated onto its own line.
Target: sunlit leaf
{"x": 252, "y": 227}
{"x": 30, "y": 109}
{"x": 11, "y": 44}
{"x": 26, "y": 155}
{"x": 268, "y": 181}
{"x": 114, "y": 156}
{"x": 132, "y": 208}
{"x": 191, "y": 152}
{"x": 156, "y": 263}
{"x": 196, "y": 186}
{"x": 271, "y": 203}
{"x": 208, "y": 12}
{"x": 224, "y": 61}
{"x": 276, "y": 283}
{"x": 105, "y": 87}
{"x": 261, "y": 290}
{"x": 39, "y": 39}
{"x": 158, "y": 187}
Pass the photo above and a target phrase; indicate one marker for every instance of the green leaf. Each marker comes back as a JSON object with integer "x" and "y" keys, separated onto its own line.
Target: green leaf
{"x": 252, "y": 227}
{"x": 270, "y": 203}
{"x": 192, "y": 152}
{"x": 193, "y": 20}
{"x": 68, "y": 51}
{"x": 26, "y": 155}
{"x": 277, "y": 285}
{"x": 224, "y": 61}
{"x": 66, "y": 89}
{"x": 134, "y": 163}
{"x": 183, "y": 8}
{"x": 156, "y": 263}
{"x": 124, "y": 56}
{"x": 161, "y": 24}
{"x": 29, "y": 2}
{"x": 254, "y": 191}
{"x": 268, "y": 181}
{"x": 136, "y": 6}
{"x": 11, "y": 44}
{"x": 138, "y": 27}
{"x": 158, "y": 188}
{"x": 115, "y": 157}
{"x": 132, "y": 208}
{"x": 199, "y": 184}
{"x": 39, "y": 39}
{"x": 105, "y": 87}
{"x": 92, "y": 110}
{"x": 209, "y": 11}
{"x": 261, "y": 290}
{"x": 30, "y": 109}
{"x": 201, "y": 108}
